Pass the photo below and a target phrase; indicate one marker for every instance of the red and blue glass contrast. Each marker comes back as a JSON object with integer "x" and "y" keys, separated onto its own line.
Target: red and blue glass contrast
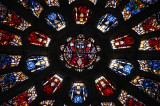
{"x": 39, "y": 39}
{"x": 47, "y": 103}
{"x": 52, "y": 2}
{"x": 7, "y": 38}
{"x": 78, "y": 93}
{"x": 150, "y": 44}
{"x": 13, "y": 20}
{"x": 122, "y": 42}
{"x": 121, "y": 66}
{"x": 52, "y": 84}
{"x": 56, "y": 21}
{"x": 107, "y": 22}
{"x": 25, "y": 98}
{"x": 104, "y": 86}
{"x": 33, "y": 5}
{"x": 37, "y": 63}
{"x": 9, "y": 61}
{"x": 80, "y": 53}
{"x": 151, "y": 87}
{"x": 8, "y": 81}
{"x": 128, "y": 100}
{"x": 81, "y": 14}
{"x": 112, "y": 3}
{"x": 152, "y": 66}
{"x": 107, "y": 104}
{"x": 150, "y": 24}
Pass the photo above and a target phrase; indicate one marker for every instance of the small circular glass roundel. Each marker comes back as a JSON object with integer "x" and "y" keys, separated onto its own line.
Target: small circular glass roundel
{"x": 80, "y": 53}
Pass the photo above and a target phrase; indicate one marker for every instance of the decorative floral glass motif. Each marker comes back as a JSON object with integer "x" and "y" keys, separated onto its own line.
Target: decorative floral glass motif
{"x": 121, "y": 66}
{"x": 81, "y": 14}
{"x": 112, "y": 3}
{"x": 104, "y": 86}
{"x": 37, "y": 63}
{"x": 8, "y": 81}
{"x": 52, "y": 84}
{"x": 78, "y": 93}
{"x": 9, "y": 61}
{"x": 3, "y": 11}
{"x": 122, "y": 42}
{"x": 47, "y": 103}
{"x": 56, "y": 21}
{"x": 128, "y": 100}
{"x": 150, "y": 24}
{"x": 39, "y": 39}
{"x": 24, "y": 99}
{"x": 7, "y": 38}
{"x": 107, "y": 104}
{"x": 107, "y": 22}
{"x": 152, "y": 66}
{"x": 52, "y": 2}
{"x": 133, "y": 7}
{"x": 80, "y": 53}
{"x": 13, "y": 20}
{"x": 149, "y": 86}
{"x": 150, "y": 44}
{"x": 33, "y": 5}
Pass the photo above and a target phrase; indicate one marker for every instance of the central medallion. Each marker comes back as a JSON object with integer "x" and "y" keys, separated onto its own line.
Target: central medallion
{"x": 80, "y": 53}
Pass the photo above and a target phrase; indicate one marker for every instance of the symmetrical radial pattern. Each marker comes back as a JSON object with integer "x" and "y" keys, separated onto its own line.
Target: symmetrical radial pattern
{"x": 79, "y": 53}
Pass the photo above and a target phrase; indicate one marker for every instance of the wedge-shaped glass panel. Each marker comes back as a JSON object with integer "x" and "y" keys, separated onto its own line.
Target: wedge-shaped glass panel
{"x": 128, "y": 100}
{"x": 107, "y": 22}
{"x": 122, "y": 42}
{"x": 7, "y": 38}
{"x": 152, "y": 66}
{"x": 78, "y": 93}
{"x": 121, "y": 66}
{"x": 151, "y": 87}
{"x": 8, "y": 81}
{"x": 9, "y": 61}
{"x": 52, "y": 84}
{"x": 33, "y": 5}
{"x": 39, "y": 39}
{"x": 56, "y": 21}
{"x": 104, "y": 86}
{"x": 37, "y": 63}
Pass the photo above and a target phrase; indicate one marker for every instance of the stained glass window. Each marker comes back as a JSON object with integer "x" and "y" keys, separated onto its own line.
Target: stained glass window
{"x": 37, "y": 63}
{"x": 39, "y": 39}
{"x": 128, "y": 100}
{"x": 107, "y": 22}
{"x": 150, "y": 24}
{"x": 33, "y": 5}
{"x": 151, "y": 87}
{"x": 133, "y": 7}
{"x": 3, "y": 11}
{"x": 7, "y": 38}
{"x": 8, "y": 81}
{"x": 56, "y": 21}
{"x": 47, "y": 103}
{"x": 78, "y": 93}
{"x": 52, "y": 84}
{"x": 112, "y": 3}
{"x": 121, "y": 66}
{"x": 24, "y": 99}
{"x": 107, "y": 104}
{"x": 52, "y": 2}
{"x": 80, "y": 53}
{"x": 9, "y": 61}
{"x": 13, "y": 20}
{"x": 152, "y": 66}
{"x": 122, "y": 42}
{"x": 104, "y": 86}
{"x": 150, "y": 44}
{"x": 81, "y": 14}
